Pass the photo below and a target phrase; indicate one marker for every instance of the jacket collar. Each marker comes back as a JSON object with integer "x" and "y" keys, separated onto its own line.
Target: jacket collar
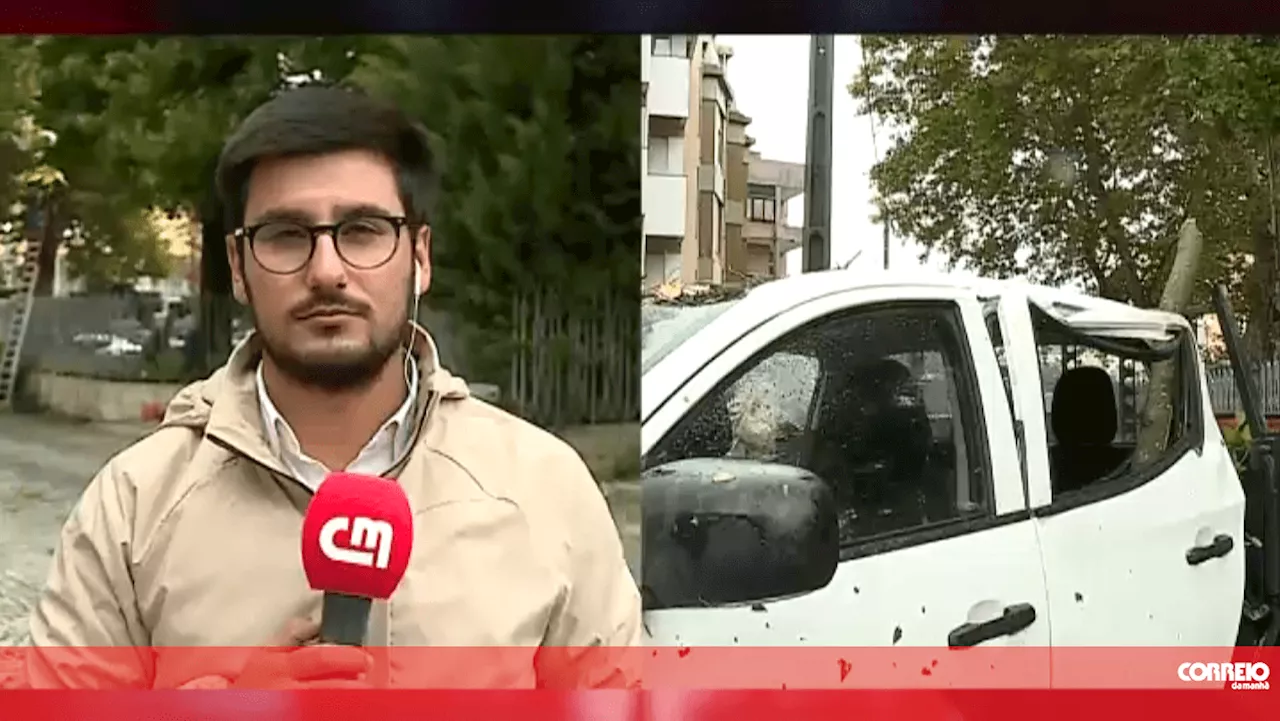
{"x": 235, "y": 417}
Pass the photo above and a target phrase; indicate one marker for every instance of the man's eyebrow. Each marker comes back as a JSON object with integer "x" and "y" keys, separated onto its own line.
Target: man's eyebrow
{"x": 340, "y": 212}
{"x": 287, "y": 215}
{"x": 362, "y": 209}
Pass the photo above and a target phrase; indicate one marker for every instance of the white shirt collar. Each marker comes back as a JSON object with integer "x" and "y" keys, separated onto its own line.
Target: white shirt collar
{"x": 383, "y": 451}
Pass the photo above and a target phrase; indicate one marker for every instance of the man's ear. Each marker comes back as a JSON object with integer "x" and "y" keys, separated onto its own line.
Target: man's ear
{"x": 422, "y": 256}
{"x": 237, "y": 271}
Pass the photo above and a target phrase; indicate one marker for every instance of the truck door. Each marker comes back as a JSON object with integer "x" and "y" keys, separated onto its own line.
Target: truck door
{"x": 898, "y": 402}
{"x": 1142, "y": 544}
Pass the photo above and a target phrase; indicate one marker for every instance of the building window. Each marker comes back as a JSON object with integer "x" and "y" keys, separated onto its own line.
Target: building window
{"x": 761, "y": 209}
{"x": 670, "y": 46}
{"x": 718, "y": 150}
{"x": 664, "y": 156}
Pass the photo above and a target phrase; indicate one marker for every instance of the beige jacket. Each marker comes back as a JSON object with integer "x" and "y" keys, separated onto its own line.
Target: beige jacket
{"x": 191, "y": 537}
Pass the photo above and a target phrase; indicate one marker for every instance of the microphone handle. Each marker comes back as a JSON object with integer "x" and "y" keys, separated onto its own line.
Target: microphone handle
{"x": 344, "y": 620}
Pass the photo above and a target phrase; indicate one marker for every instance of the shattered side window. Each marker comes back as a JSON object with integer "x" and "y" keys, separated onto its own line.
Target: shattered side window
{"x": 876, "y": 402}
{"x": 770, "y": 405}
{"x": 1114, "y": 406}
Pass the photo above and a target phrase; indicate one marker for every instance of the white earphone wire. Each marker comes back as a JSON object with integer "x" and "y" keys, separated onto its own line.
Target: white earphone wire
{"x": 413, "y": 322}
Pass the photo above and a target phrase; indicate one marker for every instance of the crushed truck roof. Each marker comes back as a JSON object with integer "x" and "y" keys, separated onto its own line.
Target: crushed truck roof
{"x": 1079, "y": 309}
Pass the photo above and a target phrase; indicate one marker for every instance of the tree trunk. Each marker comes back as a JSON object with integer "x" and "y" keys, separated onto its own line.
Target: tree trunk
{"x": 49, "y": 235}
{"x": 1162, "y": 383}
{"x": 1260, "y": 282}
{"x": 1259, "y": 330}
{"x": 216, "y": 300}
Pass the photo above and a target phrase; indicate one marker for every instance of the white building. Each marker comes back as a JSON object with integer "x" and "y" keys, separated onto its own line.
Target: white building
{"x": 685, "y": 111}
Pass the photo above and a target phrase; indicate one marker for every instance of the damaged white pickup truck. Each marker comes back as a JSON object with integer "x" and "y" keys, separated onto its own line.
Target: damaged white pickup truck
{"x": 844, "y": 459}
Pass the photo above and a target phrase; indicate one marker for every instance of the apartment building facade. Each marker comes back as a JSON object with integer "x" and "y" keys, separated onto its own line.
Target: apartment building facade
{"x": 672, "y": 124}
{"x": 768, "y": 235}
{"x": 697, "y": 174}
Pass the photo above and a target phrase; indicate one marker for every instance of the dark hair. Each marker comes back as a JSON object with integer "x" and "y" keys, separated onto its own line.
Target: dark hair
{"x": 318, "y": 119}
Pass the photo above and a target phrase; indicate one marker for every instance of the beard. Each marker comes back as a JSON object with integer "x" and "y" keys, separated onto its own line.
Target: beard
{"x": 337, "y": 369}
{"x": 340, "y": 366}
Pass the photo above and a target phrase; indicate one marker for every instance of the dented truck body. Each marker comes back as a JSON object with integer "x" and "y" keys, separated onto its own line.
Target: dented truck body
{"x": 986, "y": 464}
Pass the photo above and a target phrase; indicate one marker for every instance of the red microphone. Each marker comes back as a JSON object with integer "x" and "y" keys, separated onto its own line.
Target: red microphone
{"x": 356, "y": 540}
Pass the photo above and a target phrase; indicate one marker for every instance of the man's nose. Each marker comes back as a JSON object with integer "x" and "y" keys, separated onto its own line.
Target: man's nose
{"x": 326, "y": 267}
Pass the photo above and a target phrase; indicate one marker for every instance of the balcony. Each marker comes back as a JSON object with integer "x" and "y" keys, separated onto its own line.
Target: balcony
{"x": 668, "y": 87}
{"x": 646, "y": 54}
{"x": 664, "y": 203}
{"x": 760, "y": 234}
{"x": 788, "y": 239}
{"x": 787, "y": 177}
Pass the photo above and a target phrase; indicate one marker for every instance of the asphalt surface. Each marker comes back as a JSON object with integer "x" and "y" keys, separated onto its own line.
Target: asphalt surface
{"x": 46, "y": 462}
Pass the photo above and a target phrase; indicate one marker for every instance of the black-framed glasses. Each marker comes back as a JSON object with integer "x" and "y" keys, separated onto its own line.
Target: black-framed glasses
{"x": 283, "y": 246}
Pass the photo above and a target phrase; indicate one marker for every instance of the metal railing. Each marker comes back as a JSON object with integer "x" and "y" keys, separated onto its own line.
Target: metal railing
{"x": 1222, "y": 388}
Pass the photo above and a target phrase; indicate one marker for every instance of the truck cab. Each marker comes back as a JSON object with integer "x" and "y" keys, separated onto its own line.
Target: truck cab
{"x": 840, "y": 459}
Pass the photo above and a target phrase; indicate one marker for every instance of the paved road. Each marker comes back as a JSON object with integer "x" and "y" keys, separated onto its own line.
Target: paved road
{"x": 44, "y": 465}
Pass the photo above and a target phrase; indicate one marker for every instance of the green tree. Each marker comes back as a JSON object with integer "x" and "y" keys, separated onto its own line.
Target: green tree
{"x": 1234, "y": 81}
{"x": 536, "y": 137}
{"x": 139, "y": 122}
{"x": 1075, "y": 158}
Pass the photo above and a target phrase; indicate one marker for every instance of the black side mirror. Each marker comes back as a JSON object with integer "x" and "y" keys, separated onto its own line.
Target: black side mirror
{"x": 723, "y": 531}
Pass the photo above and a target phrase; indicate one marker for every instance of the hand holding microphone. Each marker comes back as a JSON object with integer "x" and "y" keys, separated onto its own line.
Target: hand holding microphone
{"x": 356, "y": 540}
{"x": 292, "y": 662}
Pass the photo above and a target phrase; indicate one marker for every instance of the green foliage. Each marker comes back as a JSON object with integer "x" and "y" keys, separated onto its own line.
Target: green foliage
{"x": 538, "y": 137}
{"x": 137, "y": 123}
{"x": 518, "y": 122}
{"x": 1077, "y": 158}
{"x": 1238, "y": 439}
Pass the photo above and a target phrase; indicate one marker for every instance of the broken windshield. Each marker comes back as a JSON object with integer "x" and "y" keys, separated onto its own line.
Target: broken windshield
{"x": 664, "y": 327}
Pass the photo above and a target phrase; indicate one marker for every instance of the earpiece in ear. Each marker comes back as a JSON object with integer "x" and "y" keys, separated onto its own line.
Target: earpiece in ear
{"x": 417, "y": 279}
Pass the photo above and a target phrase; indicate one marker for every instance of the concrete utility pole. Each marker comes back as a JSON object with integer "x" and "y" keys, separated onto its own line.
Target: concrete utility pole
{"x": 886, "y": 241}
{"x": 816, "y": 245}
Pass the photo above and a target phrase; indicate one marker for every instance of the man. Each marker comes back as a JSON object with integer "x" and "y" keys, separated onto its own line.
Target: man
{"x": 190, "y": 536}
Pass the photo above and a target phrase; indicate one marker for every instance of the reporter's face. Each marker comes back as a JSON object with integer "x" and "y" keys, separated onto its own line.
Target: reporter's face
{"x": 334, "y": 314}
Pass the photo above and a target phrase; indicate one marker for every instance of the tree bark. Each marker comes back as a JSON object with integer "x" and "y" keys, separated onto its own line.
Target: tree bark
{"x": 1162, "y": 383}
{"x": 50, "y": 238}
{"x": 216, "y": 300}
{"x": 1259, "y": 335}
{"x": 1261, "y": 308}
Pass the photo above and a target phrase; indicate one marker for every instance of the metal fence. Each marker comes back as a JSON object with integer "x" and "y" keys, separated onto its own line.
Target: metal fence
{"x": 120, "y": 337}
{"x": 564, "y": 368}
{"x": 1222, "y": 388}
{"x": 574, "y": 366}
{"x": 97, "y": 336}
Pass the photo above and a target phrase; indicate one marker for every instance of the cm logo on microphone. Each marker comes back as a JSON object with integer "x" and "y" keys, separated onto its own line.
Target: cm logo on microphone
{"x": 369, "y": 542}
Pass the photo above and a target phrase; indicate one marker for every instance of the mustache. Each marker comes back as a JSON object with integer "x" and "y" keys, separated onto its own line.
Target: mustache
{"x": 326, "y": 304}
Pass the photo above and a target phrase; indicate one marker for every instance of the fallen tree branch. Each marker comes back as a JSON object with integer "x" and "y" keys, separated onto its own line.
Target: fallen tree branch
{"x": 1162, "y": 384}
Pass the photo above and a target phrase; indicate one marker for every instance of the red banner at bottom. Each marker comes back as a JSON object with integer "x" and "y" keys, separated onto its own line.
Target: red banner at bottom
{"x": 1043, "y": 705}
{"x": 651, "y": 668}
{"x": 318, "y": 683}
